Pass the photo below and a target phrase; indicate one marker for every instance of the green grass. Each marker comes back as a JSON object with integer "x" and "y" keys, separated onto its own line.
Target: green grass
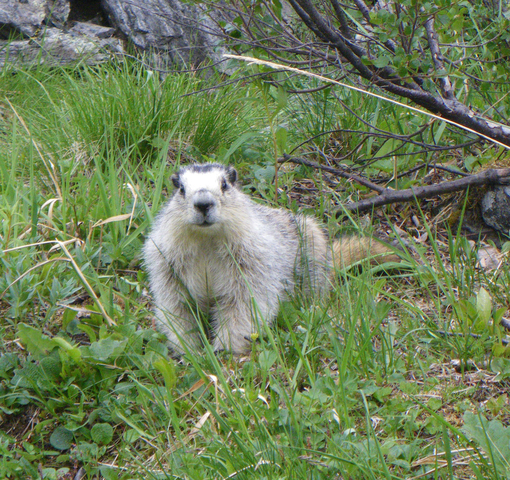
{"x": 359, "y": 386}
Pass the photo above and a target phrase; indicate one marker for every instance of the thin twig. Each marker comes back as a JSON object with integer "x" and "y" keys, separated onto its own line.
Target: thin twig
{"x": 434, "y": 167}
{"x": 335, "y": 171}
{"x": 443, "y": 333}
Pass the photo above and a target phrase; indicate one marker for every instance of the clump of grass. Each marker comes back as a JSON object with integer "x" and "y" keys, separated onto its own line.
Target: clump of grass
{"x": 123, "y": 108}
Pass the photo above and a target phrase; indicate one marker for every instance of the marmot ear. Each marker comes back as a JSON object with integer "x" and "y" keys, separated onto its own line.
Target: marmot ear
{"x": 232, "y": 175}
{"x": 175, "y": 180}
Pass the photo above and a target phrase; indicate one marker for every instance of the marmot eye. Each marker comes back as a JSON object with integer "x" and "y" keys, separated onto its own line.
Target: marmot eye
{"x": 224, "y": 184}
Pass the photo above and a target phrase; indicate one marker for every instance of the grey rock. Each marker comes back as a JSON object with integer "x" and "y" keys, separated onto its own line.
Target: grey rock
{"x": 91, "y": 30}
{"x": 175, "y": 33}
{"x": 58, "y": 12}
{"x": 28, "y": 16}
{"x": 56, "y": 47}
{"x": 496, "y": 209}
{"x": 170, "y": 33}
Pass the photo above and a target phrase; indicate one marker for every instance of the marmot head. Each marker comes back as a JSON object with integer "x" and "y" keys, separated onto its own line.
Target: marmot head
{"x": 202, "y": 190}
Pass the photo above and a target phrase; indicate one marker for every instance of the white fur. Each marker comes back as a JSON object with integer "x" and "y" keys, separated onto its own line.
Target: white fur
{"x": 195, "y": 181}
{"x": 213, "y": 248}
{"x": 236, "y": 269}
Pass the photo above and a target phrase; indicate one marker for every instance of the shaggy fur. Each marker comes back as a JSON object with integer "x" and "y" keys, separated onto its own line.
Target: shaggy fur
{"x": 213, "y": 248}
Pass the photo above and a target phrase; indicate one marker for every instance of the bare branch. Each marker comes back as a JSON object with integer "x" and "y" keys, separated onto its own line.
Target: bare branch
{"x": 357, "y": 49}
{"x": 335, "y": 171}
{"x": 437, "y": 58}
{"x": 363, "y": 9}
{"x": 488, "y": 177}
{"x": 493, "y": 176}
{"x": 505, "y": 323}
{"x": 344, "y": 26}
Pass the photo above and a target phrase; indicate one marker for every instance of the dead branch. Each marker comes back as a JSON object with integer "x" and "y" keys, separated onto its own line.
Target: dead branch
{"x": 493, "y": 176}
{"x": 437, "y": 58}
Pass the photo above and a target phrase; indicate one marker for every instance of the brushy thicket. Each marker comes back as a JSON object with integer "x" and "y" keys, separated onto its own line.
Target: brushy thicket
{"x": 359, "y": 386}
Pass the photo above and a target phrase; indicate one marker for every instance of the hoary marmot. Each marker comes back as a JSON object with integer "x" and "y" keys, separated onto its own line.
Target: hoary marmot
{"x": 213, "y": 247}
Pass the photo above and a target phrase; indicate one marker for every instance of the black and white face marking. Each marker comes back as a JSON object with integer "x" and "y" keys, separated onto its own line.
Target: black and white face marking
{"x": 203, "y": 189}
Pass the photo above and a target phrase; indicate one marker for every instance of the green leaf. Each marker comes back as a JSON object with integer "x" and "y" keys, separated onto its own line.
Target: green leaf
{"x": 102, "y": 433}
{"x": 495, "y": 405}
{"x": 131, "y": 436}
{"x": 386, "y": 166}
{"x": 61, "y": 438}
{"x": 265, "y": 174}
{"x": 109, "y": 473}
{"x": 435, "y": 403}
{"x": 499, "y": 350}
{"x": 267, "y": 359}
{"x": 439, "y": 132}
{"x": 8, "y": 361}
{"x": 369, "y": 388}
{"x": 35, "y": 341}
{"x": 71, "y": 350}
{"x": 87, "y": 452}
{"x": 156, "y": 347}
{"x": 492, "y": 437}
{"x": 484, "y": 305}
{"x": 386, "y": 148}
{"x": 27, "y": 376}
{"x": 107, "y": 348}
{"x": 166, "y": 369}
{"x": 281, "y": 98}
{"x": 277, "y": 8}
{"x": 89, "y": 331}
{"x": 51, "y": 366}
{"x": 67, "y": 317}
{"x": 470, "y": 161}
{"x": 381, "y": 62}
{"x": 382, "y": 393}
{"x": 366, "y": 60}
{"x": 281, "y": 140}
{"x": 158, "y": 142}
{"x": 501, "y": 366}
{"x": 238, "y": 143}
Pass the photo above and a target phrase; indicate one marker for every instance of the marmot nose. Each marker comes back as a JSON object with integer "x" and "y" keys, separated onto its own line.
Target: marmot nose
{"x": 203, "y": 206}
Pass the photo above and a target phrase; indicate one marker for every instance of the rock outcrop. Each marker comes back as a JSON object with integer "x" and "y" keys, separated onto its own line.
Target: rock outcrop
{"x": 61, "y": 32}
{"x": 496, "y": 209}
